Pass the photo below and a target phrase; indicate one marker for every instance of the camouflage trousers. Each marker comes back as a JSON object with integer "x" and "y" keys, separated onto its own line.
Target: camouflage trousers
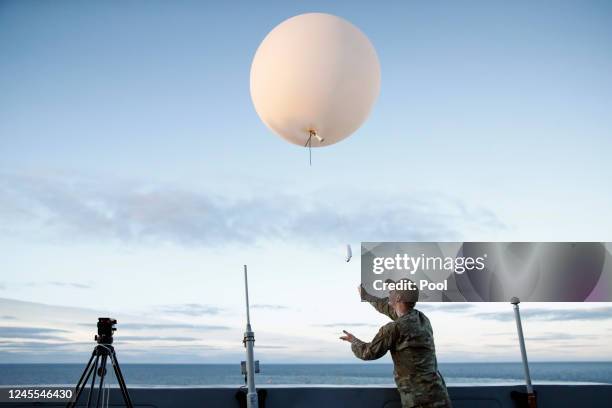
{"x": 411, "y": 399}
{"x": 408, "y": 402}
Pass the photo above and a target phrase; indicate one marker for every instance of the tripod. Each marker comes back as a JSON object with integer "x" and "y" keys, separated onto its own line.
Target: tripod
{"x": 97, "y": 365}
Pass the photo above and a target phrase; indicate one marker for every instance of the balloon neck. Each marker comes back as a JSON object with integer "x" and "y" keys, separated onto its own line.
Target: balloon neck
{"x": 313, "y": 133}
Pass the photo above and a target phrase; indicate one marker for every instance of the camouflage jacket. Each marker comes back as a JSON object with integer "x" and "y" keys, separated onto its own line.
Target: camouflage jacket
{"x": 410, "y": 341}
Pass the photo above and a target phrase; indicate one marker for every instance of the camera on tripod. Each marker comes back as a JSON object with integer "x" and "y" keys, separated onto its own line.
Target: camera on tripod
{"x": 96, "y": 367}
{"x": 106, "y": 328}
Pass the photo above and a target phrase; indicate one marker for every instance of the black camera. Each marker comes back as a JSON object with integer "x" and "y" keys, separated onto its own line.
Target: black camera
{"x": 106, "y": 327}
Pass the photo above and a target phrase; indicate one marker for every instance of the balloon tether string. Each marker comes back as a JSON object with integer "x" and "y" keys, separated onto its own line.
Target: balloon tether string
{"x": 310, "y": 150}
{"x": 309, "y": 143}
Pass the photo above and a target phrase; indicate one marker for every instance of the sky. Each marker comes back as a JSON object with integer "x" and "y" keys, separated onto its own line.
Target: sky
{"x": 136, "y": 178}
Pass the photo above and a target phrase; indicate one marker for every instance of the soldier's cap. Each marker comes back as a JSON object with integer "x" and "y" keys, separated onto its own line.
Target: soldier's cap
{"x": 404, "y": 294}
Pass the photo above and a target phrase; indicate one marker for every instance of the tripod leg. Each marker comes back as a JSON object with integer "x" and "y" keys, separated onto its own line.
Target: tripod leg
{"x": 93, "y": 381}
{"x": 102, "y": 373}
{"x": 82, "y": 381}
{"x": 120, "y": 380}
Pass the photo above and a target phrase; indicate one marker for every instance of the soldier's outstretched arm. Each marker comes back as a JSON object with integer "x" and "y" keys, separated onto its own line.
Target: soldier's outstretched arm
{"x": 380, "y": 304}
{"x": 378, "y": 347}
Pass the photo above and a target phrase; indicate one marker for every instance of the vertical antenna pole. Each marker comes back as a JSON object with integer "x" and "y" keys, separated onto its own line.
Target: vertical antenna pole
{"x": 249, "y": 340}
{"x": 531, "y": 400}
{"x": 246, "y": 291}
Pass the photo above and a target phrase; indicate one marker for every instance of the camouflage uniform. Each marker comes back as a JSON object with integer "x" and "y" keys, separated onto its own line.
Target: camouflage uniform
{"x": 410, "y": 340}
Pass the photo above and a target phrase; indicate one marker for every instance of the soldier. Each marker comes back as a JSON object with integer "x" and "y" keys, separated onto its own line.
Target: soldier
{"x": 409, "y": 337}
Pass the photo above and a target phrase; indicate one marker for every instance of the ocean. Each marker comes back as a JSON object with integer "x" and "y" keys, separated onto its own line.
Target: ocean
{"x": 329, "y": 374}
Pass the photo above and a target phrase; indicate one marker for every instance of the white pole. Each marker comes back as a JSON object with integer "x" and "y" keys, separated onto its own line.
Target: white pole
{"x": 249, "y": 340}
{"x": 519, "y": 327}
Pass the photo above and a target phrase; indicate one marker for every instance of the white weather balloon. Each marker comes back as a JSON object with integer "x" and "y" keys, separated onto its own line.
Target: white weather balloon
{"x": 317, "y": 73}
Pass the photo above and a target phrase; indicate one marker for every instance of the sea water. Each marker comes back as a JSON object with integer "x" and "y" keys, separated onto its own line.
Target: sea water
{"x": 304, "y": 374}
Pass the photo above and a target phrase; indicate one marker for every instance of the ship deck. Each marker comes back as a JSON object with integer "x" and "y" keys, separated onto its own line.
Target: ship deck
{"x": 464, "y": 396}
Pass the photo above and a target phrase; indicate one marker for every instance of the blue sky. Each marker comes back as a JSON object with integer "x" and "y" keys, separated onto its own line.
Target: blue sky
{"x": 136, "y": 177}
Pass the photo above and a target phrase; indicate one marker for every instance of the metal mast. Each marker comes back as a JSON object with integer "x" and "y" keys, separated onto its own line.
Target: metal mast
{"x": 249, "y": 341}
{"x": 531, "y": 398}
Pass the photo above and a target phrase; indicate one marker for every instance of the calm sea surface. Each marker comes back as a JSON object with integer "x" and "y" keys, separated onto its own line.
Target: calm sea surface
{"x": 342, "y": 374}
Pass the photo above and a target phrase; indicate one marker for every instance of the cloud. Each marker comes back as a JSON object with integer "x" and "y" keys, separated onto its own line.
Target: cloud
{"x": 174, "y": 348}
{"x": 562, "y": 337}
{"x": 270, "y": 347}
{"x": 77, "y": 285}
{"x": 12, "y": 332}
{"x": 164, "y": 326}
{"x": 600, "y": 313}
{"x": 156, "y": 338}
{"x": 341, "y": 325}
{"x": 5, "y": 317}
{"x": 270, "y": 307}
{"x": 190, "y": 309}
{"x": 38, "y": 351}
{"x": 73, "y": 208}
{"x": 29, "y": 345}
{"x": 54, "y": 354}
{"x": 446, "y": 307}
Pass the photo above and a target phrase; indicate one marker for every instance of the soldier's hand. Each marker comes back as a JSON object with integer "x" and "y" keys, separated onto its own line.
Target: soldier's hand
{"x": 347, "y": 336}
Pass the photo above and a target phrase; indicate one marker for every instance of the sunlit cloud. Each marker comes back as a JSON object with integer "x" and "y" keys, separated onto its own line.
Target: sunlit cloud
{"x": 561, "y": 337}
{"x": 76, "y": 285}
{"x": 190, "y": 309}
{"x": 165, "y": 326}
{"x": 599, "y": 313}
{"x": 157, "y": 338}
{"x": 270, "y": 307}
{"x": 136, "y": 212}
{"x": 179, "y": 341}
{"x": 346, "y": 324}
{"x": 446, "y": 307}
{"x": 31, "y": 333}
